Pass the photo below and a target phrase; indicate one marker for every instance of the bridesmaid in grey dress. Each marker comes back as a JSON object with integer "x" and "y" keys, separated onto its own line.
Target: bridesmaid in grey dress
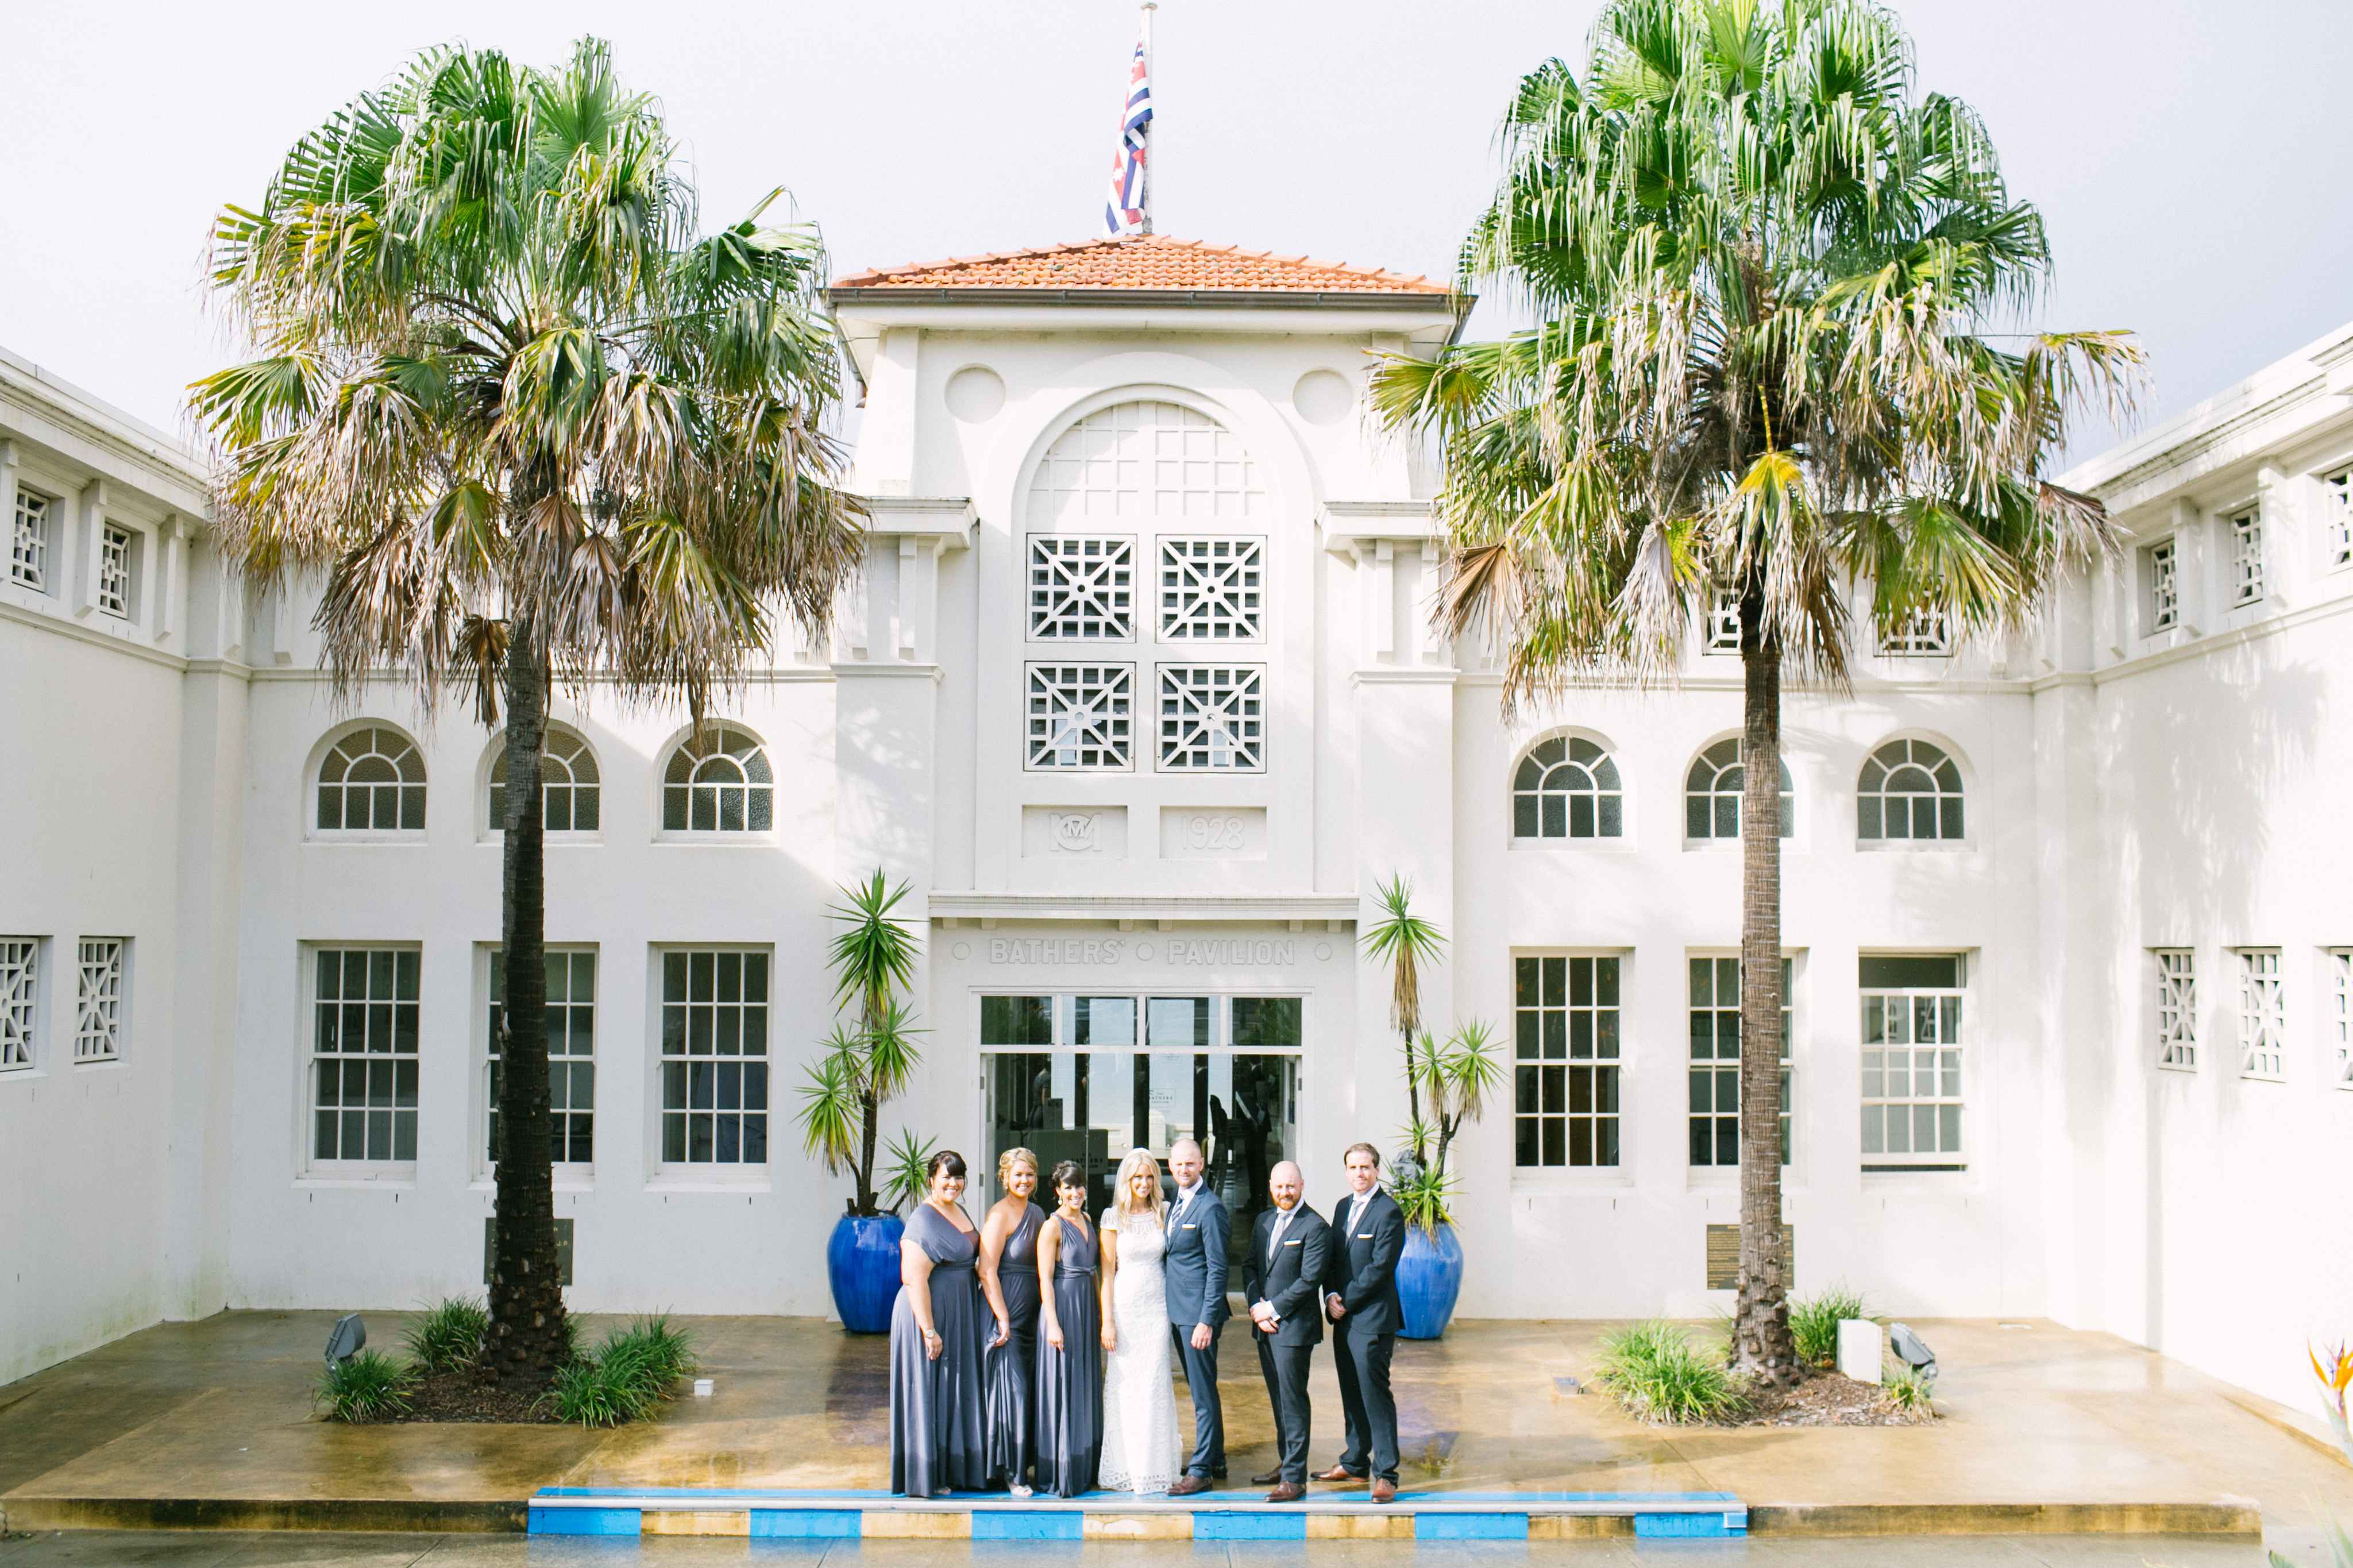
{"x": 1009, "y": 1279}
{"x": 1070, "y": 1337}
{"x": 936, "y": 1442}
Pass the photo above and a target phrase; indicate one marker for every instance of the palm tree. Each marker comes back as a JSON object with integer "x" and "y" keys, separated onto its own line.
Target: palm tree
{"x": 527, "y": 424}
{"x": 1762, "y": 274}
{"x": 1405, "y": 942}
{"x": 873, "y": 957}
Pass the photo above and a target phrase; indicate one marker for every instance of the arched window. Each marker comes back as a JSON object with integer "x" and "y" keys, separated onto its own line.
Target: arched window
{"x": 372, "y": 781}
{"x": 1567, "y": 788}
{"x": 1145, "y": 460}
{"x": 718, "y": 783}
{"x": 571, "y": 796}
{"x": 1910, "y": 789}
{"x": 1712, "y": 794}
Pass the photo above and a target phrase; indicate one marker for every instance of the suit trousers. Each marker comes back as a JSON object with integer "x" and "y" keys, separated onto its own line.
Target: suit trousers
{"x": 1285, "y": 1370}
{"x": 1362, "y": 1360}
{"x": 1209, "y": 1412}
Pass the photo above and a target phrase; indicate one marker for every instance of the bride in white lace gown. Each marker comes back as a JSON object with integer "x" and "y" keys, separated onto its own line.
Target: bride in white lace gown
{"x": 1139, "y": 1450}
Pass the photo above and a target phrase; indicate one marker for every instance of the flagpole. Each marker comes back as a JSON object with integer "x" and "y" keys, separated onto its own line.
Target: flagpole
{"x": 1152, "y": 158}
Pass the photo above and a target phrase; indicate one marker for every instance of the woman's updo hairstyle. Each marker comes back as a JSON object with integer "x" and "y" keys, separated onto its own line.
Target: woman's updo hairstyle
{"x": 1067, "y": 1174}
{"x": 947, "y": 1160}
{"x": 1009, "y": 1159}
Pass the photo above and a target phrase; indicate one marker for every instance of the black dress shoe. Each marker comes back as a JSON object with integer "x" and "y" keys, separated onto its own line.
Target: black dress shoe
{"x": 1269, "y": 1478}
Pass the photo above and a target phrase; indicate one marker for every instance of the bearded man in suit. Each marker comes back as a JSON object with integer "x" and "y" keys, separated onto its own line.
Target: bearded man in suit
{"x": 1288, "y": 1259}
{"x": 1195, "y": 1265}
{"x": 1360, "y": 1297}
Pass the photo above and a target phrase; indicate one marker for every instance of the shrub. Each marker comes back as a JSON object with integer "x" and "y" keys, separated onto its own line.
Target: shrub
{"x": 1657, "y": 1373}
{"x": 627, "y": 1376}
{"x": 448, "y": 1335}
{"x": 1908, "y": 1392}
{"x": 1814, "y": 1320}
{"x": 368, "y": 1387}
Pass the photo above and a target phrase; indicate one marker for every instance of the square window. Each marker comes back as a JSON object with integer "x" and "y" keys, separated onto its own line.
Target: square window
{"x": 1082, "y": 588}
{"x": 1080, "y": 716}
{"x": 1924, "y": 634}
{"x": 1722, "y": 626}
{"x": 1212, "y": 589}
{"x": 1212, "y": 718}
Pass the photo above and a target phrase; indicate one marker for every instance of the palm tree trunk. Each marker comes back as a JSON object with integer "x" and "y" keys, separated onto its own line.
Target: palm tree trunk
{"x": 527, "y": 1336}
{"x": 1412, "y": 1099}
{"x": 871, "y": 1106}
{"x": 1761, "y": 1344}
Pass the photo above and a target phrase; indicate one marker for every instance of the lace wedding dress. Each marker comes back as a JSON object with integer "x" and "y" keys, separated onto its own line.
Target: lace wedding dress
{"x": 1139, "y": 1451}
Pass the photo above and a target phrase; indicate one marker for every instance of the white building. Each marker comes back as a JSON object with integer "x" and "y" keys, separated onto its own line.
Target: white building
{"x": 1139, "y": 694}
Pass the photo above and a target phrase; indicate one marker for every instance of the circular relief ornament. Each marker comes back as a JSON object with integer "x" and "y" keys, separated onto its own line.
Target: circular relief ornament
{"x": 1143, "y": 950}
{"x": 1323, "y": 951}
{"x": 975, "y": 394}
{"x": 961, "y": 951}
{"x": 1074, "y": 832}
{"x": 1323, "y": 396}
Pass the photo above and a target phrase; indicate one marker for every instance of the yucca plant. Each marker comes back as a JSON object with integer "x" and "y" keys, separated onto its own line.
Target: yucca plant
{"x": 1407, "y": 945}
{"x": 448, "y": 1335}
{"x": 1655, "y": 1371}
{"x": 1909, "y": 1392}
{"x": 1766, "y": 278}
{"x": 1457, "y": 1076}
{"x": 870, "y": 1056}
{"x": 907, "y": 1179}
{"x": 368, "y": 1387}
{"x": 528, "y": 424}
{"x": 1426, "y": 1199}
{"x": 1814, "y": 1320}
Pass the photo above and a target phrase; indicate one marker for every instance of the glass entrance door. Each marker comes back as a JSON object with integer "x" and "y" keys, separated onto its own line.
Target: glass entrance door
{"x": 1088, "y": 1078}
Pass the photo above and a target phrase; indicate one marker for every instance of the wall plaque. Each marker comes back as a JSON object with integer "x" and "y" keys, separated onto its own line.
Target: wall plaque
{"x": 1723, "y": 1255}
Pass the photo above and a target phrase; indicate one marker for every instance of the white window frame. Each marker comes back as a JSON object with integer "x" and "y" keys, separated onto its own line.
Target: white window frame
{"x": 1714, "y": 1064}
{"x": 1211, "y": 589}
{"x": 1712, "y": 794}
{"x": 1949, "y": 1008}
{"x": 1609, "y": 1022}
{"x": 1609, "y": 790}
{"x": 357, "y": 742}
{"x": 2263, "y": 1014}
{"x": 2339, "y": 963}
{"x": 751, "y": 790}
{"x": 686, "y": 1169}
{"x": 573, "y": 1172}
{"x": 2174, "y": 970}
{"x": 117, "y": 570}
{"x": 573, "y": 789}
{"x": 101, "y": 999}
{"x": 32, "y": 540}
{"x": 2339, "y": 534}
{"x": 1080, "y": 587}
{"x": 388, "y": 1023}
{"x": 1720, "y": 627}
{"x": 1926, "y": 633}
{"x": 2160, "y": 562}
{"x": 2246, "y": 530}
{"x": 1948, "y": 803}
{"x": 1104, "y": 726}
{"x": 24, "y": 998}
{"x": 1217, "y": 713}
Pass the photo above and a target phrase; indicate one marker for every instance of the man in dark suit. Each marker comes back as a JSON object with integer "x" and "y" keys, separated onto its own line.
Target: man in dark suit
{"x": 1289, "y": 1257}
{"x": 1361, "y": 1298}
{"x": 1196, "y": 1273}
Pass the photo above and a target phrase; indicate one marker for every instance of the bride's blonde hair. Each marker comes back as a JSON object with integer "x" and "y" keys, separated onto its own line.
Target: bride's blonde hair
{"x": 1137, "y": 1160}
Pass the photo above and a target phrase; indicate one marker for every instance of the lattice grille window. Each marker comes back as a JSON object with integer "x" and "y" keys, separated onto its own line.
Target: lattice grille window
{"x": 2263, "y": 1014}
{"x": 2340, "y": 987}
{"x": 1213, "y": 717}
{"x": 20, "y": 979}
{"x": 719, "y": 782}
{"x": 571, "y": 796}
{"x": 1567, "y": 787}
{"x": 1909, "y": 789}
{"x": 1082, "y": 588}
{"x": 1922, "y": 633}
{"x": 1712, "y": 794}
{"x": 29, "y": 545}
{"x": 2247, "y": 556}
{"x": 98, "y": 1007}
{"x": 372, "y": 781}
{"x": 571, "y": 1055}
{"x": 1912, "y": 1067}
{"x": 2176, "y": 1008}
{"x": 1566, "y": 1062}
{"x": 1080, "y": 716}
{"x": 2341, "y": 517}
{"x": 114, "y": 571}
{"x": 1724, "y": 625}
{"x": 714, "y": 1058}
{"x": 364, "y": 1055}
{"x": 1715, "y": 1060}
{"x": 1143, "y": 461}
{"x": 1212, "y": 590}
{"x": 2159, "y": 565}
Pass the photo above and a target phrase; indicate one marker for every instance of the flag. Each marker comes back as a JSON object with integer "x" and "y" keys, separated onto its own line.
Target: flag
{"x": 1128, "y": 211}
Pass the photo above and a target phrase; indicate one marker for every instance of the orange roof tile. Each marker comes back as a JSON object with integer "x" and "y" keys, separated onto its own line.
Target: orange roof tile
{"x": 1152, "y": 262}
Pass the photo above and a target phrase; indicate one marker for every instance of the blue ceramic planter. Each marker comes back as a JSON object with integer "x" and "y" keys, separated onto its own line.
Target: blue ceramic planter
{"x": 863, "y": 1262}
{"x": 1428, "y": 1279}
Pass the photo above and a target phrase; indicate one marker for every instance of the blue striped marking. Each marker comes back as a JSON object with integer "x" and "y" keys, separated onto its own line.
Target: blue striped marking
{"x": 807, "y": 1525}
{"x": 1689, "y": 1525}
{"x": 1220, "y": 1524}
{"x": 1027, "y": 1524}
{"x": 1469, "y": 1527}
{"x": 586, "y": 1520}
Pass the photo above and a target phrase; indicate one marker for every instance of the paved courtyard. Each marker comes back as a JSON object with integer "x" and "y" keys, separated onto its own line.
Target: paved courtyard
{"x": 217, "y": 1415}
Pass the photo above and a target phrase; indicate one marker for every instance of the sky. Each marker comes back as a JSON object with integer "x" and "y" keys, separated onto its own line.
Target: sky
{"x": 2188, "y": 154}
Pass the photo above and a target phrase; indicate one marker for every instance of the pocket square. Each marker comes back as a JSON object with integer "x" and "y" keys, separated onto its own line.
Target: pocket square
{"x": 1291, "y": 1244}
{"x": 1189, "y": 1228}
{"x": 1364, "y": 1236}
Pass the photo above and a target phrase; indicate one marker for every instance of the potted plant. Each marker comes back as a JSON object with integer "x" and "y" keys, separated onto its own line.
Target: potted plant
{"x": 869, "y": 1058}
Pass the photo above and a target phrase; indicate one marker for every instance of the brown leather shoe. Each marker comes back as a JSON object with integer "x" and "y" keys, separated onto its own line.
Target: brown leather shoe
{"x": 1267, "y": 1478}
{"x": 1185, "y": 1486}
{"x": 1385, "y": 1491}
{"x": 1289, "y": 1491}
{"x": 1340, "y": 1475}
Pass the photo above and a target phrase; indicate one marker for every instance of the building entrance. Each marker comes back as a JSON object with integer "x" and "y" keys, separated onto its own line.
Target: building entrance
{"x": 1086, "y": 1078}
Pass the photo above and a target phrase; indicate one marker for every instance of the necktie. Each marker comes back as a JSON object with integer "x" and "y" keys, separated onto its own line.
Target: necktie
{"x": 1274, "y": 1236}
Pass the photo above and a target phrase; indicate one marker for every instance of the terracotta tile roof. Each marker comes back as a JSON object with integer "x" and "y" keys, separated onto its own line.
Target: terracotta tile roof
{"x": 1153, "y": 262}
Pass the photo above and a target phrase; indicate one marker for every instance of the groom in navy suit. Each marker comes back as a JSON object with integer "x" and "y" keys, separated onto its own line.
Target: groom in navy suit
{"x": 1196, "y": 1272}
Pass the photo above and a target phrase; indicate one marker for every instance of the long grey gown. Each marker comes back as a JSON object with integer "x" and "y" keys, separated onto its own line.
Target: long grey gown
{"x": 1009, "y": 1370}
{"x": 936, "y": 1442}
{"x": 1070, "y": 1380}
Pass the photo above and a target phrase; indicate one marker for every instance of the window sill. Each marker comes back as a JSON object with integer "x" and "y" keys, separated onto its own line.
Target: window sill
{"x": 414, "y": 837}
{"x": 1914, "y": 847}
{"x": 754, "y": 1180}
{"x": 2188, "y": 1069}
{"x": 399, "y": 1178}
{"x": 2280, "y": 1079}
{"x": 1589, "y": 1180}
{"x": 551, "y": 840}
{"x": 102, "y": 1063}
{"x": 1622, "y": 844}
{"x": 717, "y": 840}
{"x": 568, "y": 1179}
{"x": 40, "y": 1075}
